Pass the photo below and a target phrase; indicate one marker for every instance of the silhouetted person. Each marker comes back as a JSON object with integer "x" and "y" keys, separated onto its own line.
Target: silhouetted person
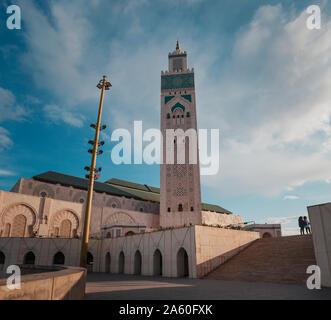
{"x": 306, "y": 224}
{"x": 301, "y": 225}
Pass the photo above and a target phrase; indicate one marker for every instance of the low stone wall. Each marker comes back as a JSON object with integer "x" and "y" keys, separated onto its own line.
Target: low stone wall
{"x": 62, "y": 283}
{"x": 214, "y": 246}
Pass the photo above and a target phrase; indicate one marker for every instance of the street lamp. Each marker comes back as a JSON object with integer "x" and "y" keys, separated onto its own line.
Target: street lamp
{"x": 103, "y": 85}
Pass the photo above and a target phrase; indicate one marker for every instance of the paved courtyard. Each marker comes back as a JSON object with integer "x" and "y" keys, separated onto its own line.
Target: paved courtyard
{"x": 101, "y": 286}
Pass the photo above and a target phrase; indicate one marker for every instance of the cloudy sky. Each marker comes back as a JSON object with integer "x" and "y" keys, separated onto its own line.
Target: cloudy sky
{"x": 262, "y": 77}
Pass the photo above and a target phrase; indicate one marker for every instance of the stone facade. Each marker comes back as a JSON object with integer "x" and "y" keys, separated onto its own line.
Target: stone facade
{"x": 46, "y": 218}
{"x": 191, "y": 251}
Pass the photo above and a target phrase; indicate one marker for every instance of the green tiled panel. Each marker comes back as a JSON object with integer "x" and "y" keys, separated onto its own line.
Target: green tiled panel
{"x": 188, "y": 97}
{"x": 177, "y": 81}
{"x": 168, "y": 98}
{"x": 177, "y": 105}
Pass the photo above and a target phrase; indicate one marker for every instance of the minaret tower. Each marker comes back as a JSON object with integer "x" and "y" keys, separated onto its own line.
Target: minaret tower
{"x": 180, "y": 195}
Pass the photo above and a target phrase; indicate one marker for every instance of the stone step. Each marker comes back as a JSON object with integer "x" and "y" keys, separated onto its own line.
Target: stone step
{"x": 278, "y": 260}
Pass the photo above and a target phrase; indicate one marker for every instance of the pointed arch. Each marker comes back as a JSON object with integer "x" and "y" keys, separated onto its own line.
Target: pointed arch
{"x": 29, "y": 258}
{"x": 182, "y": 263}
{"x": 121, "y": 263}
{"x": 137, "y": 263}
{"x": 59, "y": 258}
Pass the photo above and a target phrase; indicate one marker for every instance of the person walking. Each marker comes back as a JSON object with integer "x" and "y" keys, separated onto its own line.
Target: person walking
{"x": 307, "y": 225}
{"x": 301, "y": 226}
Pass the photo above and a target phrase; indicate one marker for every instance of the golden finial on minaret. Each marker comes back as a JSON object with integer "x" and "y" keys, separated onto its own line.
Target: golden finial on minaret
{"x": 177, "y": 46}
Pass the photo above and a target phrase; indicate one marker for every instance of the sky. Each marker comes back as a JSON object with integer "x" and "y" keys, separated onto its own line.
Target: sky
{"x": 262, "y": 78}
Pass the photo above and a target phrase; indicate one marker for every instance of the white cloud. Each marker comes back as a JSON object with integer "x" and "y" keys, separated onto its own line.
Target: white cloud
{"x": 7, "y": 173}
{"x": 290, "y": 197}
{"x": 9, "y": 109}
{"x": 5, "y": 141}
{"x": 271, "y": 98}
{"x": 58, "y": 50}
{"x": 272, "y": 103}
{"x": 59, "y": 114}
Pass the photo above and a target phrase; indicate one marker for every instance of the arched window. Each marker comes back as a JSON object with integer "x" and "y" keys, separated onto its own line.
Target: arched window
{"x": 168, "y": 115}
{"x": 192, "y": 209}
{"x": 129, "y": 233}
{"x": 169, "y": 209}
{"x": 59, "y": 258}
{"x": 43, "y": 194}
{"x": 29, "y": 258}
{"x": 180, "y": 207}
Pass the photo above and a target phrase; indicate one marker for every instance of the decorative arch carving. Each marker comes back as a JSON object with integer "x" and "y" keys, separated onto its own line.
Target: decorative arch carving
{"x": 64, "y": 223}
{"x": 120, "y": 218}
{"x": 20, "y": 214}
{"x": 114, "y": 203}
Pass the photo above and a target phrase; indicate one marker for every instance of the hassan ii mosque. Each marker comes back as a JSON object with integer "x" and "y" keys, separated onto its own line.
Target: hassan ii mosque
{"x": 135, "y": 228}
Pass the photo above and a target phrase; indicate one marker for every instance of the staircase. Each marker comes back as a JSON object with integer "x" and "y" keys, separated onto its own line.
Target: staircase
{"x": 276, "y": 260}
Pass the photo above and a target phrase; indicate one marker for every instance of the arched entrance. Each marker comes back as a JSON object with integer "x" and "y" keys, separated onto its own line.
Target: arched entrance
{"x": 89, "y": 262}
{"x": 65, "y": 228}
{"x": 137, "y": 262}
{"x": 182, "y": 263}
{"x": 157, "y": 263}
{"x": 18, "y": 221}
{"x": 107, "y": 263}
{"x": 266, "y": 235}
{"x": 121, "y": 263}
{"x": 58, "y": 258}
{"x": 19, "y": 226}
{"x": 29, "y": 258}
{"x": 2, "y": 260}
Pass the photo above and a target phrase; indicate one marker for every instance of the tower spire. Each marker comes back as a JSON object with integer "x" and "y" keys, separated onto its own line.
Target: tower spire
{"x": 177, "y": 46}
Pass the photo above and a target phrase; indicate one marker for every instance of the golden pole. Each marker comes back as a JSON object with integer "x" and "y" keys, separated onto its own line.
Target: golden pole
{"x": 86, "y": 231}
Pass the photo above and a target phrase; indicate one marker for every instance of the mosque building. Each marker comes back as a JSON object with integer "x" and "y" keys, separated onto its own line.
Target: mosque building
{"x": 135, "y": 228}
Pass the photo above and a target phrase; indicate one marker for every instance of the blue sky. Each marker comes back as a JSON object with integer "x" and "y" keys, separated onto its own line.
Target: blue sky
{"x": 262, "y": 78}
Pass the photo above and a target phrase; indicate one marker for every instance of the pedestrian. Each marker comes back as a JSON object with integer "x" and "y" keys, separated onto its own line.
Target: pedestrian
{"x": 307, "y": 225}
{"x": 301, "y": 226}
